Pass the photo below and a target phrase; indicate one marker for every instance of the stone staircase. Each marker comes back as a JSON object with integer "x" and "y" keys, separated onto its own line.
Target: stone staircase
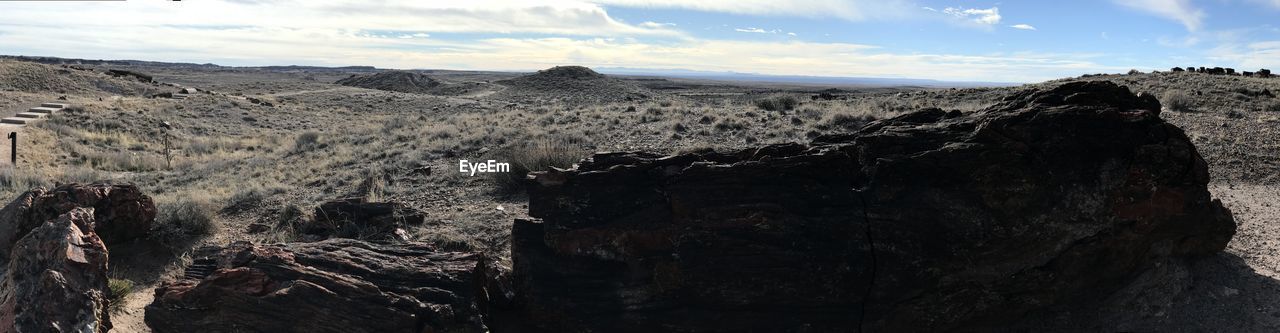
{"x": 34, "y": 114}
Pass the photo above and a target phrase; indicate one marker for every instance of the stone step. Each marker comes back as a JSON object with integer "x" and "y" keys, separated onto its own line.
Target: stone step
{"x": 200, "y": 269}
{"x": 16, "y": 120}
{"x": 55, "y": 105}
{"x": 31, "y": 115}
{"x": 43, "y": 109}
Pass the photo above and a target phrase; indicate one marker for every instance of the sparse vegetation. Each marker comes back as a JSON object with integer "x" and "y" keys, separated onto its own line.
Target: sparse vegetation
{"x": 306, "y": 141}
{"x": 541, "y": 155}
{"x": 117, "y": 291}
{"x": 777, "y": 103}
{"x": 182, "y": 219}
{"x": 849, "y": 121}
{"x": 1177, "y": 101}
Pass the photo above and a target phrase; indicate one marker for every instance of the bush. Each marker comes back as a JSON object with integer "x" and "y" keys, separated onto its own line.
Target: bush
{"x": 780, "y": 103}
{"x": 182, "y": 220}
{"x": 1273, "y": 107}
{"x": 251, "y": 196}
{"x": 726, "y": 125}
{"x": 117, "y": 290}
{"x": 541, "y": 155}
{"x": 306, "y": 141}
{"x": 849, "y": 122}
{"x": 1176, "y": 101}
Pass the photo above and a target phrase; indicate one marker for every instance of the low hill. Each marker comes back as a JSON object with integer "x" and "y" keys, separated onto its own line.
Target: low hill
{"x": 572, "y": 82}
{"x": 398, "y": 81}
{"x": 414, "y": 83}
{"x": 35, "y": 77}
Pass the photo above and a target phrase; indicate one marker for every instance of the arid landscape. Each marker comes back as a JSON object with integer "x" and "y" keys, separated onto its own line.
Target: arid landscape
{"x": 266, "y": 154}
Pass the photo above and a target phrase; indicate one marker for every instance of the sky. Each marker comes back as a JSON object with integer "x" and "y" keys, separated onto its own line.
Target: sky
{"x": 988, "y": 41}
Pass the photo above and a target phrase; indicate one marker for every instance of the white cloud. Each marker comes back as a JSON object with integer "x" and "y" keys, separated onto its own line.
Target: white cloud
{"x": 1185, "y": 42}
{"x": 1251, "y": 56}
{"x": 656, "y": 25}
{"x": 792, "y": 34}
{"x": 1178, "y": 10}
{"x": 1272, "y": 3}
{"x": 989, "y": 16}
{"x": 761, "y": 31}
{"x": 929, "y": 9}
{"x": 353, "y": 33}
{"x": 562, "y": 17}
{"x": 1023, "y": 27}
{"x": 852, "y": 10}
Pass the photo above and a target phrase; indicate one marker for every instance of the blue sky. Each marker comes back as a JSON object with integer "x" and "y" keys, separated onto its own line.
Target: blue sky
{"x": 1016, "y": 41}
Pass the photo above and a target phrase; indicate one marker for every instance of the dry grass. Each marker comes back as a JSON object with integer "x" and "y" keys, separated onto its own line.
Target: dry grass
{"x": 1177, "y": 101}
{"x": 777, "y": 103}
{"x": 183, "y": 219}
{"x": 117, "y": 290}
{"x": 541, "y": 155}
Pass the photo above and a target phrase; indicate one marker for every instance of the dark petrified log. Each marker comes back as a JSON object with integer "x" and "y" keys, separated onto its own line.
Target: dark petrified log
{"x": 336, "y": 285}
{"x": 930, "y": 221}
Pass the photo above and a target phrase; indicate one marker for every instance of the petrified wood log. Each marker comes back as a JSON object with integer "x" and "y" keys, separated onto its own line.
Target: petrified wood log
{"x": 336, "y": 285}
{"x": 931, "y": 221}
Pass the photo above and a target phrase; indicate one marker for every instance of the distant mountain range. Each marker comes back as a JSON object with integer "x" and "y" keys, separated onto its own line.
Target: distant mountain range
{"x": 795, "y": 79}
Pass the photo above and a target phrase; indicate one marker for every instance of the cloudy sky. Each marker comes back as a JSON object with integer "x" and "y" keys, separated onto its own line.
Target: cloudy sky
{"x": 1014, "y": 41}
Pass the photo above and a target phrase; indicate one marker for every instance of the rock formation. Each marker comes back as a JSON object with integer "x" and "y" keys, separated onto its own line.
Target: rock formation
{"x": 931, "y": 221}
{"x": 56, "y": 278}
{"x": 144, "y": 78}
{"x": 55, "y": 263}
{"x": 1177, "y": 69}
{"x": 337, "y": 285}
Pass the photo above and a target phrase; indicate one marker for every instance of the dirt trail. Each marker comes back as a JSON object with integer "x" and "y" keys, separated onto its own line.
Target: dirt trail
{"x": 130, "y": 317}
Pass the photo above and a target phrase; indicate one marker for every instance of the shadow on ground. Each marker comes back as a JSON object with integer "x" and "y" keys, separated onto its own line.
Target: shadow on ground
{"x": 1221, "y": 293}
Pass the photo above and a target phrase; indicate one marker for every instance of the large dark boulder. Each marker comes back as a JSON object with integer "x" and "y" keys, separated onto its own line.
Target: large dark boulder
{"x": 122, "y": 211}
{"x": 336, "y": 285}
{"x": 931, "y": 221}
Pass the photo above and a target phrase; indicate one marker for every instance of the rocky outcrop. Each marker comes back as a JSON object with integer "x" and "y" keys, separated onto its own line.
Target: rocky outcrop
{"x": 56, "y": 278}
{"x": 931, "y": 221}
{"x": 337, "y": 285}
{"x": 55, "y": 261}
{"x": 144, "y": 78}
{"x": 360, "y": 219}
{"x": 122, "y": 211}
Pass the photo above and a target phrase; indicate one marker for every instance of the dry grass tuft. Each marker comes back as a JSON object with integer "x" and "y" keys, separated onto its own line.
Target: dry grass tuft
{"x": 1177, "y": 101}
{"x": 540, "y": 155}
{"x": 183, "y": 219}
